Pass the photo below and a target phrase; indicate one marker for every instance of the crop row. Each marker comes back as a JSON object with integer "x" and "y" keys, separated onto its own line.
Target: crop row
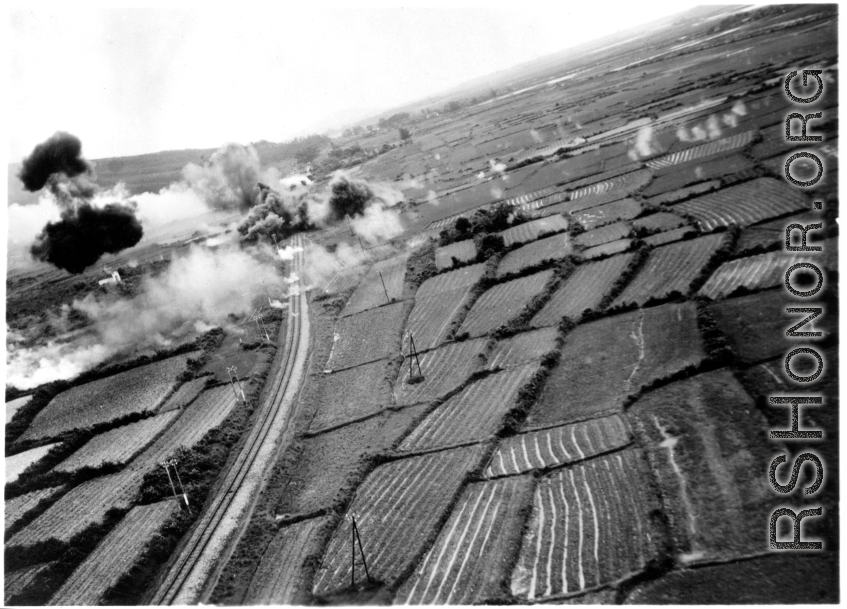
{"x": 624, "y": 209}
{"x": 140, "y": 389}
{"x": 463, "y": 251}
{"x": 529, "y": 231}
{"x": 474, "y": 414}
{"x": 16, "y": 464}
{"x": 605, "y": 234}
{"x": 723, "y": 145}
{"x": 397, "y": 509}
{"x": 16, "y": 508}
{"x": 443, "y": 370}
{"x": 383, "y": 277}
{"x": 550, "y": 248}
{"x": 503, "y": 302}
{"x": 557, "y": 446}
{"x": 366, "y": 337}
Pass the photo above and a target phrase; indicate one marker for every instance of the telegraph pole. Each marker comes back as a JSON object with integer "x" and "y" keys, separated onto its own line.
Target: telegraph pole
{"x": 387, "y": 299}
{"x": 413, "y": 353}
{"x": 354, "y": 537}
{"x": 233, "y": 372}
{"x": 258, "y": 318}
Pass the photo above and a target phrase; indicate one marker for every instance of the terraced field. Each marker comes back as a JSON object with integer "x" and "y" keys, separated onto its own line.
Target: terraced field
{"x": 745, "y": 204}
{"x": 550, "y": 248}
{"x": 604, "y": 361}
{"x": 384, "y": 276}
{"x": 556, "y": 446}
{"x": 721, "y": 146}
{"x": 607, "y": 191}
{"x": 13, "y": 406}
{"x": 463, "y": 251}
{"x": 607, "y": 249}
{"x": 349, "y": 394}
{"x": 367, "y": 336}
{"x": 183, "y": 396}
{"x": 118, "y": 445}
{"x": 16, "y": 464}
{"x": 753, "y": 273}
{"x": 397, "y": 508}
{"x": 114, "y": 556}
{"x": 18, "y": 581}
{"x": 343, "y": 281}
{"x": 660, "y": 221}
{"x": 599, "y": 236}
{"x": 529, "y": 231}
{"x": 16, "y": 508}
{"x": 472, "y": 415}
{"x": 669, "y": 269}
{"x": 590, "y": 526}
{"x": 442, "y": 283}
{"x": 503, "y": 302}
{"x": 141, "y": 389}
{"x": 670, "y": 236}
{"x": 584, "y": 289}
{"x": 466, "y": 564}
{"x": 443, "y": 369}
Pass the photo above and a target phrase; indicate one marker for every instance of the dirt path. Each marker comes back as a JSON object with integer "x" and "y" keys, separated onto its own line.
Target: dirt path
{"x": 195, "y": 571}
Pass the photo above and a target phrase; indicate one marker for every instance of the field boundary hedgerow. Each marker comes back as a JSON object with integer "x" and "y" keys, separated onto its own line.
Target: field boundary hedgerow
{"x": 487, "y": 280}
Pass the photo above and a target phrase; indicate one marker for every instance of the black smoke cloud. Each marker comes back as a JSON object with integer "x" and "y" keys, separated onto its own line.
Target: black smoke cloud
{"x": 62, "y": 153}
{"x": 348, "y": 197}
{"x": 228, "y": 179}
{"x": 275, "y": 215}
{"x": 85, "y": 232}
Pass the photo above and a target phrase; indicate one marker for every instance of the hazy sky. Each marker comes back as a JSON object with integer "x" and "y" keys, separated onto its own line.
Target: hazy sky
{"x": 136, "y": 80}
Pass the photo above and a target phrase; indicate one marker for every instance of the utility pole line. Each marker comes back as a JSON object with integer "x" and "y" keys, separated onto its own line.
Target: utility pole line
{"x": 387, "y": 299}
{"x": 414, "y": 353}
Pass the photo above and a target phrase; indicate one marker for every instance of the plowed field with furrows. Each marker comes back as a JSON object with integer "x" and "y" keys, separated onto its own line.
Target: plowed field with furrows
{"x": 755, "y": 272}
{"x": 82, "y": 506}
{"x": 464, "y": 277}
{"x": 557, "y": 446}
{"x": 18, "y": 581}
{"x": 466, "y": 565}
{"x": 551, "y": 248}
{"x": 662, "y": 221}
{"x": 590, "y": 526}
{"x": 371, "y": 290}
{"x": 443, "y": 370}
{"x": 670, "y": 268}
{"x": 397, "y": 508}
{"x": 684, "y": 193}
{"x": 348, "y": 395}
{"x": 723, "y": 145}
{"x": 522, "y": 348}
{"x": 559, "y": 197}
{"x": 745, "y": 204}
{"x": 625, "y": 209}
{"x": 604, "y": 361}
{"x": 474, "y": 414}
{"x": 13, "y": 406}
{"x": 531, "y": 196}
{"x": 118, "y": 445}
{"x": 599, "y": 236}
{"x": 463, "y": 251}
{"x": 343, "y": 280}
{"x": 431, "y": 317}
{"x": 607, "y": 249}
{"x": 503, "y": 302}
{"x": 367, "y": 336}
{"x": 16, "y": 464}
{"x": 278, "y": 579}
{"x": 670, "y": 236}
{"x": 529, "y": 231}
{"x": 582, "y": 290}
{"x": 114, "y": 556}
{"x": 16, "y": 508}
{"x": 141, "y": 389}
{"x": 183, "y": 396}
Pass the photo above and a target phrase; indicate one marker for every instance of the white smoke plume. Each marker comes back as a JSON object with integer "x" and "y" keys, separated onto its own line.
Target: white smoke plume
{"x": 645, "y": 144}
{"x": 228, "y": 179}
{"x": 203, "y": 288}
{"x": 379, "y": 223}
{"x": 322, "y": 265}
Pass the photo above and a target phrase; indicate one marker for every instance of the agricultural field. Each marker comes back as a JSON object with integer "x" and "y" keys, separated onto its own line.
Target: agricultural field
{"x": 535, "y": 253}
{"x": 384, "y": 276}
{"x": 753, "y": 273}
{"x": 118, "y": 445}
{"x": 397, "y": 508}
{"x": 548, "y": 448}
{"x": 605, "y": 361}
{"x": 16, "y": 582}
{"x": 473, "y": 415}
{"x": 183, "y": 396}
{"x": 607, "y": 249}
{"x": 717, "y": 147}
{"x": 599, "y": 236}
{"x": 530, "y": 231}
{"x": 114, "y": 556}
{"x": 463, "y": 251}
{"x": 522, "y": 348}
{"x": 670, "y": 269}
{"x": 16, "y": 508}
{"x": 443, "y": 369}
{"x": 660, "y": 221}
{"x": 138, "y": 390}
{"x": 607, "y": 191}
{"x": 367, "y": 337}
{"x": 466, "y": 564}
{"x": 745, "y": 204}
{"x": 583, "y": 289}
{"x": 590, "y": 526}
{"x": 13, "y": 406}
{"x": 503, "y": 302}
{"x": 451, "y": 281}
{"x": 280, "y": 578}
{"x": 676, "y": 234}
{"x": 701, "y": 450}
{"x": 16, "y": 464}
{"x": 625, "y": 209}
{"x": 348, "y": 395}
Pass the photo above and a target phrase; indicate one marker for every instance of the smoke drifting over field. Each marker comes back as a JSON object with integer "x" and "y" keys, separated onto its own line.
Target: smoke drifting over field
{"x": 84, "y": 232}
{"x": 228, "y": 179}
{"x": 196, "y": 292}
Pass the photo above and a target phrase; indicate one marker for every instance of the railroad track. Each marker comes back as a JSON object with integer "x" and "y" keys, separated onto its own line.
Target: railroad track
{"x": 201, "y": 556}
